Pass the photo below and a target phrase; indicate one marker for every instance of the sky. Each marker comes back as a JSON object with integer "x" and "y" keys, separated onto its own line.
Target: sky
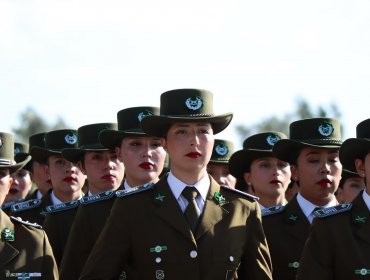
{"x": 84, "y": 60}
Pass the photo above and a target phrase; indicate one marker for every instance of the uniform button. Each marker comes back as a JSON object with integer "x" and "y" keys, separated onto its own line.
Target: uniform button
{"x": 158, "y": 259}
{"x": 231, "y": 259}
{"x": 193, "y": 254}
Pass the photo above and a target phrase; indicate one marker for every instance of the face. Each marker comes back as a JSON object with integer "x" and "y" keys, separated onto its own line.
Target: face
{"x": 350, "y": 189}
{"x": 40, "y": 177}
{"x": 103, "y": 169}
{"x": 269, "y": 177}
{"x": 318, "y": 171}
{"x": 220, "y": 172}
{"x": 363, "y": 169}
{"x": 5, "y": 183}
{"x": 189, "y": 146}
{"x": 65, "y": 176}
{"x": 21, "y": 185}
{"x": 143, "y": 158}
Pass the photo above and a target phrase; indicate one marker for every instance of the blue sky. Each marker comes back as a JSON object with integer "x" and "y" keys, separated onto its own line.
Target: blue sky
{"x": 86, "y": 60}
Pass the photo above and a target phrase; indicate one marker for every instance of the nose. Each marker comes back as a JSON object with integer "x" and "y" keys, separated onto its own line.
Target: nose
{"x": 194, "y": 139}
{"x": 325, "y": 168}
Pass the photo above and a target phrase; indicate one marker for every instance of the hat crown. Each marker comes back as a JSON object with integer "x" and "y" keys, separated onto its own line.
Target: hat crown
{"x": 363, "y": 129}
{"x": 88, "y": 135}
{"x": 187, "y": 102}
{"x": 222, "y": 150}
{"x": 129, "y": 119}
{"x": 37, "y": 140}
{"x": 263, "y": 141}
{"x": 6, "y": 148}
{"x": 20, "y": 148}
{"x": 58, "y": 140}
{"x": 316, "y": 130}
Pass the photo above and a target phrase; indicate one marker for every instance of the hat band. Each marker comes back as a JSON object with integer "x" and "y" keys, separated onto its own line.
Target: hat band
{"x": 321, "y": 141}
{"x": 6, "y": 162}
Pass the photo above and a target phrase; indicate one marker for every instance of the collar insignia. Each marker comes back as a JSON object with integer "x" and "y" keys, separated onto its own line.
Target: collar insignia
{"x": 7, "y": 234}
{"x": 220, "y": 199}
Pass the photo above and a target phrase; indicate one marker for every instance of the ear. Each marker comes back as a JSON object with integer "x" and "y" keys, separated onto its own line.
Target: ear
{"x": 81, "y": 167}
{"x": 295, "y": 173}
{"x": 11, "y": 180}
{"x": 360, "y": 167}
{"x": 247, "y": 177}
{"x": 164, "y": 144}
{"x": 118, "y": 152}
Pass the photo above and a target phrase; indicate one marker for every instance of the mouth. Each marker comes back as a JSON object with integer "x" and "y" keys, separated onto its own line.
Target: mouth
{"x": 146, "y": 165}
{"x": 69, "y": 179}
{"x": 108, "y": 177}
{"x": 13, "y": 191}
{"x": 194, "y": 155}
{"x": 275, "y": 182}
{"x": 324, "y": 183}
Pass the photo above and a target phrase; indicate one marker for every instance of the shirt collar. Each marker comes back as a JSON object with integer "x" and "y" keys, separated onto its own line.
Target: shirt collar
{"x": 366, "y": 198}
{"x": 127, "y": 187}
{"x": 307, "y": 206}
{"x": 178, "y": 186}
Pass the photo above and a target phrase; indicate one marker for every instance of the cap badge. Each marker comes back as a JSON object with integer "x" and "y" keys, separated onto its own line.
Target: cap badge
{"x": 221, "y": 149}
{"x": 194, "y": 103}
{"x": 326, "y": 129}
{"x": 71, "y": 139}
{"x": 144, "y": 114}
{"x": 220, "y": 199}
{"x": 7, "y": 234}
{"x": 272, "y": 139}
{"x": 17, "y": 150}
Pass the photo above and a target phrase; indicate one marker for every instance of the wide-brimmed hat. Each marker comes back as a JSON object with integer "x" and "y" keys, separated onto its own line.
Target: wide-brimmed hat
{"x": 185, "y": 105}
{"x": 222, "y": 151}
{"x": 21, "y": 152}
{"x": 356, "y": 148}
{"x": 256, "y": 146}
{"x": 55, "y": 142}
{"x": 129, "y": 124}
{"x": 7, "y": 154}
{"x": 314, "y": 132}
{"x": 88, "y": 140}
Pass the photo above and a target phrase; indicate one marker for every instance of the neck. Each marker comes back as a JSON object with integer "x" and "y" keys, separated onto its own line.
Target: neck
{"x": 68, "y": 197}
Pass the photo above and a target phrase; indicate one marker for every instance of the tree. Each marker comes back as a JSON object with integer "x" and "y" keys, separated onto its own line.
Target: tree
{"x": 32, "y": 123}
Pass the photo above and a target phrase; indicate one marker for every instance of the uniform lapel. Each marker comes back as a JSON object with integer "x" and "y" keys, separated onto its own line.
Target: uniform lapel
{"x": 361, "y": 217}
{"x": 7, "y": 251}
{"x": 169, "y": 209}
{"x": 213, "y": 212}
{"x": 296, "y": 223}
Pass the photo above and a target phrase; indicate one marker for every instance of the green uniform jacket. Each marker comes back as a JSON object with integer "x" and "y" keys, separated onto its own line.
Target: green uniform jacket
{"x": 34, "y": 214}
{"x": 57, "y": 226}
{"x": 286, "y": 233}
{"x": 86, "y": 228}
{"x": 147, "y": 231}
{"x": 339, "y": 246}
{"x": 29, "y": 252}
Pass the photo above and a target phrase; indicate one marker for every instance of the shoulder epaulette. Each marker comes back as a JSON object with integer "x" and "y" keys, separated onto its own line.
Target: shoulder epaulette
{"x": 123, "y": 193}
{"x": 244, "y": 194}
{"x": 98, "y": 197}
{"x": 330, "y": 211}
{"x": 62, "y": 206}
{"x": 27, "y": 223}
{"x": 272, "y": 210}
{"x": 10, "y": 203}
{"x": 26, "y": 205}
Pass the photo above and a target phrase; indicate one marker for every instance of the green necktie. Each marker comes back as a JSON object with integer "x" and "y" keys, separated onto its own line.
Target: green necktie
{"x": 192, "y": 211}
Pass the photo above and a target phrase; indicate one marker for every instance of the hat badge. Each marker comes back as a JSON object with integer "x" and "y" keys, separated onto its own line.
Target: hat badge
{"x": 71, "y": 139}
{"x": 144, "y": 114}
{"x": 17, "y": 150}
{"x": 272, "y": 139}
{"x": 326, "y": 129}
{"x": 221, "y": 149}
{"x": 194, "y": 103}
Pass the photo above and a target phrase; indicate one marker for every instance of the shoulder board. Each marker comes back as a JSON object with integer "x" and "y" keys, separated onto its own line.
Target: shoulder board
{"x": 123, "y": 193}
{"x": 244, "y": 194}
{"x": 62, "y": 206}
{"x": 10, "y": 203}
{"x": 26, "y": 205}
{"x": 330, "y": 211}
{"x": 272, "y": 210}
{"x": 98, "y": 197}
{"x": 27, "y": 223}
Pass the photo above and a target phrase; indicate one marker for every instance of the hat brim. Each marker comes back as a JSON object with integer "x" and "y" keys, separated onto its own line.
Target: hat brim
{"x": 158, "y": 125}
{"x": 75, "y": 155}
{"x": 352, "y": 149}
{"x": 21, "y": 157}
{"x": 41, "y": 154}
{"x": 17, "y": 166}
{"x": 287, "y": 149}
{"x": 113, "y": 138}
{"x": 241, "y": 161}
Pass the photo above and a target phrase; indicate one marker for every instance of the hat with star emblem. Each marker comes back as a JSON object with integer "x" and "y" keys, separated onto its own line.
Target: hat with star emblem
{"x": 256, "y": 146}
{"x": 129, "y": 124}
{"x": 314, "y": 132}
{"x": 55, "y": 142}
{"x": 222, "y": 151}
{"x": 185, "y": 105}
{"x": 356, "y": 148}
{"x": 7, "y": 154}
{"x": 88, "y": 140}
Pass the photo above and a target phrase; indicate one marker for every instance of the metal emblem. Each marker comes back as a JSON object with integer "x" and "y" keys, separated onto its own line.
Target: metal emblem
{"x": 159, "y": 274}
{"x": 221, "y": 149}
{"x": 326, "y": 129}
{"x": 144, "y": 114}
{"x": 194, "y": 103}
{"x": 272, "y": 139}
{"x": 71, "y": 139}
